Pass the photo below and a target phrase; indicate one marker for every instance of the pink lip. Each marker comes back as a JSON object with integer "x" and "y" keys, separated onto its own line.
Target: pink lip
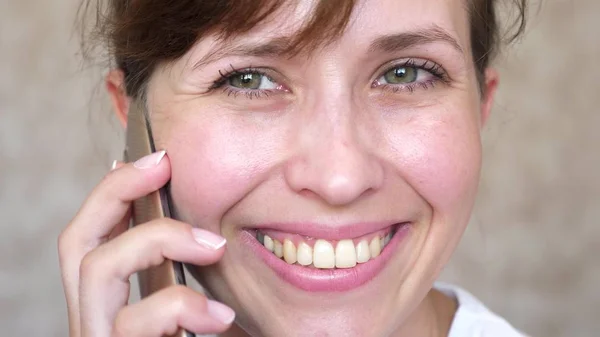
{"x": 327, "y": 280}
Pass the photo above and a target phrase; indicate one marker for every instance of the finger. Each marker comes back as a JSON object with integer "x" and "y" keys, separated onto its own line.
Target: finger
{"x": 121, "y": 226}
{"x": 105, "y": 271}
{"x": 164, "y": 312}
{"x": 110, "y": 200}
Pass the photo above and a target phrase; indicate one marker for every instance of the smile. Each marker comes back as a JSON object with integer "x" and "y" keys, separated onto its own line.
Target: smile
{"x": 326, "y": 262}
{"x": 320, "y": 253}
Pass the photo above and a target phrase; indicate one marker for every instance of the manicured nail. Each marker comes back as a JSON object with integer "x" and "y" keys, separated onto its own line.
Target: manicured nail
{"x": 208, "y": 239}
{"x": 150, "y": 161}
{"x": 114, "y": 165}
{"x": 220, "y": 311}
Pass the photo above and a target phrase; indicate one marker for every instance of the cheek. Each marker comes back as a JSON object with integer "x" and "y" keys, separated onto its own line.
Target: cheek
{"x": 441, "y": 159}
{"x": 214, "y": 165}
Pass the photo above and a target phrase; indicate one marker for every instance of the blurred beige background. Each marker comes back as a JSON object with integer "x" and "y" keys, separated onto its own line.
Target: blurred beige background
{"x": 532, "y": 250}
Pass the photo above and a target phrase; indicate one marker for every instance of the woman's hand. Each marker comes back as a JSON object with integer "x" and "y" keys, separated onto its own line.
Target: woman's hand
{"x": 97, "y": 257}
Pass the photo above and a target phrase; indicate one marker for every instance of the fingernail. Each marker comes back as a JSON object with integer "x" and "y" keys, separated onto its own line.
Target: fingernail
{"x": 114, "y": 165}
{"x": 150, "y": 161}
{"x": 220, "y": 311}
{"x": 208, "y": 239}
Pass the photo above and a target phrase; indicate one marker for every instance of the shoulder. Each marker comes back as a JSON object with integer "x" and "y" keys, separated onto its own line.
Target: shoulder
{"x": 473, "y": 319}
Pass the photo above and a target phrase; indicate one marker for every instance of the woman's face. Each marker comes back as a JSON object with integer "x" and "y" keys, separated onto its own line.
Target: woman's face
{"x": 377, "y": 133}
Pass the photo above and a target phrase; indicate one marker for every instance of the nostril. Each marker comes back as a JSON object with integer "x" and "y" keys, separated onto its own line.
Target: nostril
{"x": 308, "y": 194}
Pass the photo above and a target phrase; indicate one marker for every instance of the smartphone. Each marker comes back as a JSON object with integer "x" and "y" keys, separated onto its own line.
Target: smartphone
{"x": 139, "y": 143}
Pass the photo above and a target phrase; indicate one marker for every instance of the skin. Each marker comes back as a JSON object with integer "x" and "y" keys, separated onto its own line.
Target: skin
{"x": 328, "y": 147}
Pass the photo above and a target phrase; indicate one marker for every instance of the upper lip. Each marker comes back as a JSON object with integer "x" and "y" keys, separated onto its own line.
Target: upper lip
{"x": 326, "y": 231}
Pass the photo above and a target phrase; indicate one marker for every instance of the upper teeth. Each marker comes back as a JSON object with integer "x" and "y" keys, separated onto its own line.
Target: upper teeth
{"x": 323, "y": 255}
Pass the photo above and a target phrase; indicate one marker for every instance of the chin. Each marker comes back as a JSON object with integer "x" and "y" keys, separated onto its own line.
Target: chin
{"x": 277, "y": 288}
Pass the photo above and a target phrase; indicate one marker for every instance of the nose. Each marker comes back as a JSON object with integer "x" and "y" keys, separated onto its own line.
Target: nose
{"x": 333, "y": 162}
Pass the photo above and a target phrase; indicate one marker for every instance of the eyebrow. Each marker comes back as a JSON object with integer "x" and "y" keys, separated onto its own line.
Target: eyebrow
{"x": 386, "y": 43}
{"x": 405, "y": 40}
{"x": 272, "y": 48}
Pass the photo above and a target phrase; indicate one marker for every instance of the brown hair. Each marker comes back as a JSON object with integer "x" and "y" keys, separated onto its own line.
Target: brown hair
{"x": 141, "y": 34}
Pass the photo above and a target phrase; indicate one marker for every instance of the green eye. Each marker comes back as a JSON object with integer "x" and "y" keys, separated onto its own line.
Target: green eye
{"x": 401, "y": 75}
{"x": 251, "y": 80}
{"x": 246, "y": 81}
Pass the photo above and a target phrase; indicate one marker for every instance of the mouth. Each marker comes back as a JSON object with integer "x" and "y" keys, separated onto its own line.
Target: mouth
{"x": 325, "y": 261}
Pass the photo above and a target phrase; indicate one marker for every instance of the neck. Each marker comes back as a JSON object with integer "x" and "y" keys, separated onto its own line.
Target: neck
{"x": 432, "y": 318}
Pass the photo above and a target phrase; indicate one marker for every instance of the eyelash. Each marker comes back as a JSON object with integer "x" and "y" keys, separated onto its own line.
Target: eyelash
{"x": 221, "y": 83}
{"x": 435, "y": 69}
{"x": 431, "y": 67}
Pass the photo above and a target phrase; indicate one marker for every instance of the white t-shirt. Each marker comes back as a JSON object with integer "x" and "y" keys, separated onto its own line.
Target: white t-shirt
{"x": 473, "y": 319}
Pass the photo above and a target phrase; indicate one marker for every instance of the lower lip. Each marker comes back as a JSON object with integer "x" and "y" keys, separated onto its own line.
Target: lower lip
{"x": 327, "y": 280}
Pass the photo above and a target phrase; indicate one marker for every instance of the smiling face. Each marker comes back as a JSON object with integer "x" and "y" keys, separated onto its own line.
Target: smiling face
{"x": 374, "y": 135}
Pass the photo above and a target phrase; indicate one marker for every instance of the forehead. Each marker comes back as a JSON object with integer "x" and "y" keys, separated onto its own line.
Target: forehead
{"x": 369, "y": 20}
{"x": 369, "y": 15}
{"x": 390, "y": 16}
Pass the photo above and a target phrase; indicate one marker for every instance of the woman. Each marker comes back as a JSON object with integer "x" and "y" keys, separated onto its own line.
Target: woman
{"x": 323, "y": 157}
